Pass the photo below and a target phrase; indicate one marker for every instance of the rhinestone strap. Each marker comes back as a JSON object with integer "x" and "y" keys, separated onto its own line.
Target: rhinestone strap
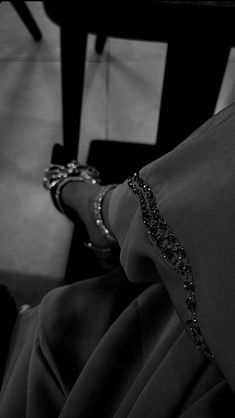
{"x": 98, "y": 213}
{"x": 56, "y": 172}
{"x": 173, "y": 253}
{"x": 56, "y": 176}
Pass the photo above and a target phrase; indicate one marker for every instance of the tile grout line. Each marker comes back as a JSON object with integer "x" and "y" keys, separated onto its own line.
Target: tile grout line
{"x": 24, "y": 60}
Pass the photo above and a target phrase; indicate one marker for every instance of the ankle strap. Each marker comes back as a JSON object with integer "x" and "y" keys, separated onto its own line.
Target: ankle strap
{"x": 98, "y": 213}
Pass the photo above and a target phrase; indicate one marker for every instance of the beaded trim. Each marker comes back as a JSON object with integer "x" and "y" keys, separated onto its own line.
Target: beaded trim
{"x": 172, "y": 252}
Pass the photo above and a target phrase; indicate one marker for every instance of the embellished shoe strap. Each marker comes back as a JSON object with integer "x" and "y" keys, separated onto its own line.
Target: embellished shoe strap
{"x": 172, "y": 252}
{"x": 56, "y": 176}
{"x": 99, "y": 220}
{"x": 56, "y": 173}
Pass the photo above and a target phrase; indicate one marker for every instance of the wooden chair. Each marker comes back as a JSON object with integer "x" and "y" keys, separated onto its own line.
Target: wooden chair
{"x": 25, "y": 15}
{"x": 199, "y": 36}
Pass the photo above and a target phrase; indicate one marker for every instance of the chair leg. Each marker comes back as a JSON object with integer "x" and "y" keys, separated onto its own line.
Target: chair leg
{"x": 72, "y": 74}
{"x": 27, "y": 18}
{"x": 100, "y": 44}
{"x": 193, "y": 76}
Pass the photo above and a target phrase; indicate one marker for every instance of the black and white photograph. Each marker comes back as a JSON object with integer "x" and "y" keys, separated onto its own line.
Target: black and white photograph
{"x": 117, "y": 209}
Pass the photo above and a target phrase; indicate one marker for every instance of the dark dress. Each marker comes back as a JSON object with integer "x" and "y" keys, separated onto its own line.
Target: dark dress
{"x": 155, "y": 337}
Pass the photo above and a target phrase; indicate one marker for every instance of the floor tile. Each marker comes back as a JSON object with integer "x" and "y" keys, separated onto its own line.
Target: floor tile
{"x": 232, "y": 54}
{"x": 31, "y": 88}
{"x": 227, "y": 92}
{"x": 94, "y": 107}
{"x": 35, "y": 237}
{"x": 16, "y": 43}
{"x": 134, "y": 100}
{"x": 131, "y": 50}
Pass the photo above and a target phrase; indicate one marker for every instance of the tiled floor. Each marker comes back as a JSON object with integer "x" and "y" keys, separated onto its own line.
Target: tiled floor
{"x": 121, "y": 101}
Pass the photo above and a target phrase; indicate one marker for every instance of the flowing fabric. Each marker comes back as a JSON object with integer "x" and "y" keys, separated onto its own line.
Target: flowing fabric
{"x": 117, "y": 345}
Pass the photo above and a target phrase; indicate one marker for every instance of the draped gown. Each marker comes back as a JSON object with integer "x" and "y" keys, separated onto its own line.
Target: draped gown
{"x": 156, "y": 336}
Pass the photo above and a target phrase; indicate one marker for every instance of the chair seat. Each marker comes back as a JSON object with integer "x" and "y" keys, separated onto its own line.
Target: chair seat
{"x": 159, "y": 20}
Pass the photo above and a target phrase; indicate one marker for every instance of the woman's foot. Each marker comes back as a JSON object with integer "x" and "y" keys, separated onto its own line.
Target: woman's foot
{"x": 76, "y": 192}
{"x": 79, "y": 197}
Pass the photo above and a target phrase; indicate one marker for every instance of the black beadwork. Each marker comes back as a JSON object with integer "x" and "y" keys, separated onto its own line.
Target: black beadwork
{"x": 172, "y": 252}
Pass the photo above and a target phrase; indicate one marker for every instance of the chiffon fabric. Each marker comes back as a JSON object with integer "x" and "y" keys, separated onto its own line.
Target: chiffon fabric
{"x": 117, "y": 345}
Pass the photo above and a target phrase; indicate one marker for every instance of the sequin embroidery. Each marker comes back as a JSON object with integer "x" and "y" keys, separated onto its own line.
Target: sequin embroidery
{"x": 173, "y": 253}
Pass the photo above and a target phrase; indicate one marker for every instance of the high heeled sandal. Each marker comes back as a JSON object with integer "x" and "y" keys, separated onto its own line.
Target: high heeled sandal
{"x": 56, "y": 177}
